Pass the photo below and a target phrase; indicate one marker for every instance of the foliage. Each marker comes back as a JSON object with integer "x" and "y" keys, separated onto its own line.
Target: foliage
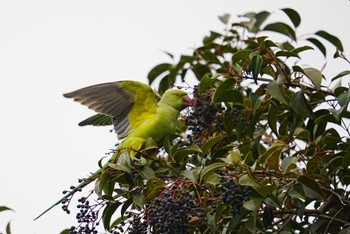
{"x": 8, "y": 226}
{"x": 265, "y": 147}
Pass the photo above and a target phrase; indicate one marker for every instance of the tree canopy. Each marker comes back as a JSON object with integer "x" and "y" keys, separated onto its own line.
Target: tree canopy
{"x": 265, "y": 147}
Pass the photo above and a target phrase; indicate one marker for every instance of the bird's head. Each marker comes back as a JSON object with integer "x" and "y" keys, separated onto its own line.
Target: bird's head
{"x": 178, "y": 99}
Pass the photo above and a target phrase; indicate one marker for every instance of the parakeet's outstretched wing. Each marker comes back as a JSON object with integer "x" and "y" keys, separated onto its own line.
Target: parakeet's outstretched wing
{"x": 97, "y": 120}
{"x": 128, "y": 103}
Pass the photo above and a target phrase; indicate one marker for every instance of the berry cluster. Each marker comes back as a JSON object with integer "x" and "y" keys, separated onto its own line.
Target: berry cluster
{"x": 72, "y": 191}
{"x": 203, "y": 116}
{"x": 233, "y": 194}
{"x": 169, "y": 212}
{"x": 87, "y": 217}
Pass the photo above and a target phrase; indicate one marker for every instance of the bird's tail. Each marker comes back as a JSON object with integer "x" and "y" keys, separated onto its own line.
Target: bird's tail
{"x": 93, "y": 177}
{"x": 74, "y": 190}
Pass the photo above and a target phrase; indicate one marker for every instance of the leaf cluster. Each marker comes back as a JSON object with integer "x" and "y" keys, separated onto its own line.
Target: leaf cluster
{"x": 260, "y": 122}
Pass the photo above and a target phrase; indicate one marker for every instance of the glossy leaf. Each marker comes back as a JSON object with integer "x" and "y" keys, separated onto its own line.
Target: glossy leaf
{"x": 157, "y": 71}
{"x": 206, "y": 83}
{"x": 108, "y": 213}
{"x": 4, "y": 208}
{"x": 331, "y": 38}
{"x": 225, "y": 92}
{"x": 341, "y": 74}
{"x": 257, "y": 62}
{"x": 288, "y": 164}
{"x": 282, "y": 28}
{"x": 248, "y": 180}
{"x": 272, "y": 119}
{"x": 315, "y": 164}
{"x": 344, "y": 98}
{"x": 275, "y": 89}
{"x": 182, "y": 155}
{"x": 318, "y": 44}
{"x": 8, "y": 228}
{"x": 211, "y": 168}
{"x": 301, "y": 49}
{"x": 200, "y": 70}
{"x": 311, "y": 184}
{"x": 314, "y": 75}
{"x": 146, "y": 172}
{"x": 66, "y": 231}
{"x": 293, "y": 16}
{"x": 287, "y": 54}
{"x": 189, "y": 175}
{"x": 241, "y": 55}
{"x": 210, "y": 143}
{"x": 300, "y": 105}
{"x": 224, "y": 18}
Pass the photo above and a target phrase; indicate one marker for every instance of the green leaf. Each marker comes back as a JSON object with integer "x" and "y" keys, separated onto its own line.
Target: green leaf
{"x": 146, "y": 172}
{"x": 182, "y": 155}
{"x": 224, "y": 18}
{"x": 318, "y": 44}
{"x": 314, "y": 75}
{"x": 211, "y": 179}
{"x": 288, "y": 163}
{"x": 102, "y": 183}
{"x": 97, "y": 120}
{"x": 272, "y": 119}
{"x": 226, "y": 92}
{"x": 157, "y": 71}
{"x": 267, "y": 216}
{"x": 65, "y": 231}
{"x": 211, "y": 168}
{"x": 331, "y": 38}
{"x": 341, "y": 74}
{"x": 282, "y": 28}
{"x": 344, "y": 98}
{"x": 250, "y": 205}
{"x": 248, "y": 180}
{"x": 288, "y": 54}
{"x": 4, "y": 208}
{"x": 205, "y": 83}
{"x": 241, "y": 55}
{"x": 126, "y": 205}
{"x": 120, "y": 167}
{"x": 189, "y": 175}
{"x": 234, "y": 156}
{"x": 338, "y": 113}
{"x": 210, "y": 143}
{"x": 260, "y": 18}
{"x": 256, "y": 64}
{"x": 200, "y": 70}
{"x": 297, "y": 191}
{"x": 276, "y": 90}
{"x": 256, "y": 20}
{"x": 302, "y": 134}
{"x": 153, "y": 185}
{"x": 108, "y": 213}
{"x": 8, "y": 228}
{"x": 271, "y": 157}
{"x": 311, "y": 184}
{"x": 301, "y": 49}
{"x": 293, "y": 16}
{"x": 300, "y": 105}
{"x": 314, "y": 164}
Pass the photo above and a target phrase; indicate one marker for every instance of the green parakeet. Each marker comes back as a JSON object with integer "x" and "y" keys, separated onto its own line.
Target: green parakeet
{"x": 135, "y": 113}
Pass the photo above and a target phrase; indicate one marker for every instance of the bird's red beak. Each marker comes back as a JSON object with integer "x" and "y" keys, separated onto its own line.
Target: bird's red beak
{"x": 188, "y": 101}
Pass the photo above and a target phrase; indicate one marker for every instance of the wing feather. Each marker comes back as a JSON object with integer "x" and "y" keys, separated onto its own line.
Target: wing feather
{"x": 127, "y": 102}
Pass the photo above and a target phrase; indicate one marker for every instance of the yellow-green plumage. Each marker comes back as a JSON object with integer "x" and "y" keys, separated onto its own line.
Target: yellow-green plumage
{"x": 135, "y": 114}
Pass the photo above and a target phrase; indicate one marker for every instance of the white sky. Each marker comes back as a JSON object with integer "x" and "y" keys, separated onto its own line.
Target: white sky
{"x": 51, "y": 47}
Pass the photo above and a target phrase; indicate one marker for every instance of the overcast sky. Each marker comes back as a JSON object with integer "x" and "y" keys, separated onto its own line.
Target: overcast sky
{"x": 51, "y": 47}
